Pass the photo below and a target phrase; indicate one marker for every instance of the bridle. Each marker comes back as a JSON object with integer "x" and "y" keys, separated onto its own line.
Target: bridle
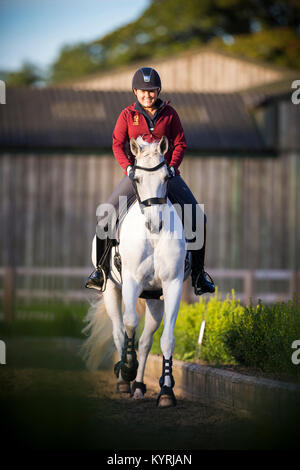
{"x": 152, "y": 200}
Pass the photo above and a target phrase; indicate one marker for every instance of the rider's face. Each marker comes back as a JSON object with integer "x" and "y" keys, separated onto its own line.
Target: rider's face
{"x": 146, "y": 98}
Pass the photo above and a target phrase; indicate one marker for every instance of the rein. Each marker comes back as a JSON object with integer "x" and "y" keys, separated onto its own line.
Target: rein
{"x": 152, "y": 200}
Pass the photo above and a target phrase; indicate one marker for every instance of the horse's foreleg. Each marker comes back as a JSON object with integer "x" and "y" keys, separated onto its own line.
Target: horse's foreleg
{"x": 172, "y": 294}
{"x": 153, "y": 316}
{"x": 113, "y": 304}
{"x": 130, "y": 293}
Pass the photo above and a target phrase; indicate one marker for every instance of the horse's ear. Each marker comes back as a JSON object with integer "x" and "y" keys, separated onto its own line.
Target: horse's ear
{"x": 163, "y": 145}
{"x": 134, "y": 147}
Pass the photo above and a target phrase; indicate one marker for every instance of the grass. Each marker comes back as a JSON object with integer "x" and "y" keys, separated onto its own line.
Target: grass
{"x": 40, "y": 318}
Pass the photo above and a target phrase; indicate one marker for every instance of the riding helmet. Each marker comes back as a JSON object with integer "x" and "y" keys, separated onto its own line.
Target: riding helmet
{"x": 146, "y": 78}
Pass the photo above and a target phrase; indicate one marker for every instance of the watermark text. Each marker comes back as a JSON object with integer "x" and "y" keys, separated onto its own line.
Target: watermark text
{"x": 296, "y": 94}
{"x": 296, "y": 354}
{"x": 2, "y": 352}
{"x": 2, "y": 92}
{"x": 177, "y": 221}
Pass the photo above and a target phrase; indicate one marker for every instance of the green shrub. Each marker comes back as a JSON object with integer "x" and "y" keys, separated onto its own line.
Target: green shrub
{"x": 256, "y": 336}
{"x": 218, "y": 316}
{"x": 263, "y": 336}
{"x": 186, "y": 332}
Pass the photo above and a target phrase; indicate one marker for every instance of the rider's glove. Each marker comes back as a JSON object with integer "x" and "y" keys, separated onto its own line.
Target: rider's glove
{"x": 171, "y": 170}
{"x": 130, "y": 172}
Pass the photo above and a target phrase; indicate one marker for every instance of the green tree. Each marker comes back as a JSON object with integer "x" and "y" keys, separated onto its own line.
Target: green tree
{"x": 28, "y": 75}
{"x": 267, "y": 30}
{"x": 282, "y": 48}
{"x": 74, "y": 61}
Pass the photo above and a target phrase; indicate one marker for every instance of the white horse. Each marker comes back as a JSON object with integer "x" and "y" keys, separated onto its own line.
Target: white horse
{"x": 153, "y": 252}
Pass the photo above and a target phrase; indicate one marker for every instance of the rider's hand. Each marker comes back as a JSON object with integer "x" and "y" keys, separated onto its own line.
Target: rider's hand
{"x": 171, "y": 170}
{"x": 130, "y": 172}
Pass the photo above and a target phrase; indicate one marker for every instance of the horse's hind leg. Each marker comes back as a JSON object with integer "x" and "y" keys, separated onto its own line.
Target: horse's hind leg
{"x": 113, "y": 304}
{"x": 153, "y": 316}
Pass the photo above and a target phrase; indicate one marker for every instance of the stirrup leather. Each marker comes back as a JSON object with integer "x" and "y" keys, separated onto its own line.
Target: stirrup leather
{"x": 102, "y": 289}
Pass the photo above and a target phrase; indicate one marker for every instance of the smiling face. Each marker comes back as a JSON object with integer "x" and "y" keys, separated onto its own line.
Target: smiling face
{"x": 147, "y": 98}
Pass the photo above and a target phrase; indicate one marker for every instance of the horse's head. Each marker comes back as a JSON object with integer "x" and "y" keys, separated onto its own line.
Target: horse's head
{"x": 150, "y": 179}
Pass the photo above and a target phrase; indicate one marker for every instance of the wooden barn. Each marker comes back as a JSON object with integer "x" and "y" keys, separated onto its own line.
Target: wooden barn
{"x": 56, "y": 166}
{"x": 204, "y": 69}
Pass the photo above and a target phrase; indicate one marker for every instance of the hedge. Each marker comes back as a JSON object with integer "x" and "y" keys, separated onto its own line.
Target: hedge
{"x": 258, "y": 336}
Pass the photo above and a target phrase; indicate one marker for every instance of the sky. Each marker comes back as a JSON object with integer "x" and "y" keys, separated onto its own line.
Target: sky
{"x": 35, "y": 30}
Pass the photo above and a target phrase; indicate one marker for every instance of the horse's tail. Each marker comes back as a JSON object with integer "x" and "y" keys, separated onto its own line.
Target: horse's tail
{"x": 98, "y": 349}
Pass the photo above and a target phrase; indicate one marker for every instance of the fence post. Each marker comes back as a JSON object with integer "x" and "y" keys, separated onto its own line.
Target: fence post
{"x": 248, "y": 287}
{"x": 9, "y": 293}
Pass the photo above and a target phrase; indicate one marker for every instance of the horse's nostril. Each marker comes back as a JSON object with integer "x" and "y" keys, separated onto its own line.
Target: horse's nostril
{"x": 160, "y": 226}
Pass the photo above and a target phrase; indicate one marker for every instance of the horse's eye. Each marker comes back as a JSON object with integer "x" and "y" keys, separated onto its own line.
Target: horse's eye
{"x": 166, "y": 178}
{"x": 136, "y": 179}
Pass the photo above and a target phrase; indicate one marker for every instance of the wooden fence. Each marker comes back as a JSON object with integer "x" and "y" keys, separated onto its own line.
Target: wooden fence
{"x": 48, "y": 208}
{"x": 11, "y": 291}
{"x": 48, "y": 214}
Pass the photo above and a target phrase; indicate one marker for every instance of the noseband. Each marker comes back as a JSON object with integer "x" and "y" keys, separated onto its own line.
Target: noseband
{"x": 152, "y": 200}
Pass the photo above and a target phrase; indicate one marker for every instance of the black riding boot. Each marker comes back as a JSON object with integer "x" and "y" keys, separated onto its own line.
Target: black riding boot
{"x": 97, "y": 280}
{"x": 180, "y": 193}
{"x": 201, "y": 281}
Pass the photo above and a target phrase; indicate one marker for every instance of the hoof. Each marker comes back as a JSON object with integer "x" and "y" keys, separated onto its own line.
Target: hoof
{"x": 138, "y": 395}
{"x": 165, "y": 401}
{"x": 123, "y": 387}
{"x": 166, "y": 398}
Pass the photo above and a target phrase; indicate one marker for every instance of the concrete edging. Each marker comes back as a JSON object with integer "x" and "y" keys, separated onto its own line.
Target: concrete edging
{"x": 231, "y": 390}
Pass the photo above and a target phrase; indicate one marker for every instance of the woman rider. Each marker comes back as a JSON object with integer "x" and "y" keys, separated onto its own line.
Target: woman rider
{"x": 151, "y": 118}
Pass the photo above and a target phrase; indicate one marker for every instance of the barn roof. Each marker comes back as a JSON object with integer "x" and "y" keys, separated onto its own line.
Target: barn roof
{"x": 68, "y": 118}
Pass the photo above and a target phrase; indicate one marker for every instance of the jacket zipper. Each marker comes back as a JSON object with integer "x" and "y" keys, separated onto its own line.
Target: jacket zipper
{"x": 158, "y": 114}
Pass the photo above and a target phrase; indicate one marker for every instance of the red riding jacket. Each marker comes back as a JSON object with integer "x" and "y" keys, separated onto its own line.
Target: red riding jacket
{"x": 132, "y": 123}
